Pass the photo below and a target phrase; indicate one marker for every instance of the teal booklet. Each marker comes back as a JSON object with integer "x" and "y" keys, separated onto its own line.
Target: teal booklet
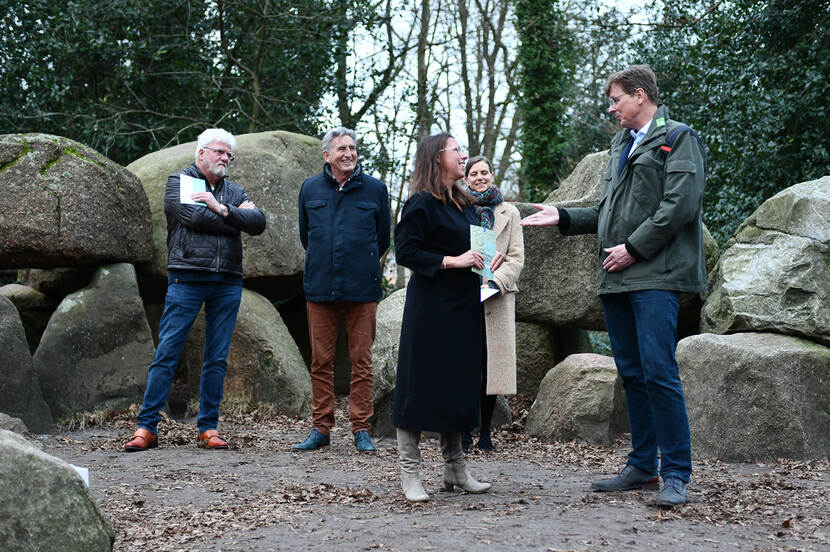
{"x": 189, "y": 186}
{"x": 483, "y": 241}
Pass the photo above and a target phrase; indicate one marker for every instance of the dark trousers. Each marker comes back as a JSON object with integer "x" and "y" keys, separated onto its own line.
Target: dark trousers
{"x": 642, "y": 328}
{"x": 182, "y": 303}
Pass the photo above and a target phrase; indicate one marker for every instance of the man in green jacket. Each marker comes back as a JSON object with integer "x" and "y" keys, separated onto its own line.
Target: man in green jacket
{"x": 650, "y": 237}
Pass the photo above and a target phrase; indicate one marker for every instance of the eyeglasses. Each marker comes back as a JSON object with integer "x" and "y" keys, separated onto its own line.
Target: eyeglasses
{"x": 222, "y": 152}
{"x": 613, "y": 101}
{"x": 458, "y": 149}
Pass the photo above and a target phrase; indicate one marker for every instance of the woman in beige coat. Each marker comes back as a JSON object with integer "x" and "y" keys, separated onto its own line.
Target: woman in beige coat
{"x": 499, "y": 374}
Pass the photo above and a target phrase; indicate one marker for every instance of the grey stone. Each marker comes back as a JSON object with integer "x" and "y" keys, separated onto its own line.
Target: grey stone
{"x": 97, "y": 347}
{"x": 65, "y": 204}
{"x": 34, "y": 307}
{"x": 15, "y": 425}
{"x": 540, "y": 347}
{"x": 584, "y": 185}
{"x": 264, "y": 364}
{"x": 20, "y": 394}
{"x": 271, "y": 166}
{"x": 581, "y": 399}
{"x": 56, "y": 283}
{"x": 385, "y": 361}
{"x": 756, "y": 396}
{"x": 24, "y": 297}
{"x": 45, "y": 504}
{"x": 775, "y": 273}
{"x": 558, "y": 285}
{"x": 535, "y": 355}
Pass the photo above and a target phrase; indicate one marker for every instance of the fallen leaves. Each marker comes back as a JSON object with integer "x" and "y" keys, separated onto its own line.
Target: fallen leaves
{"x": 178, "y": 498}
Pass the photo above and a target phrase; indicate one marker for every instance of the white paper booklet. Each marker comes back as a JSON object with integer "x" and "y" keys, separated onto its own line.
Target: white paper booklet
{"x": 189, "y": 186}
{"x": 487, "y": 292}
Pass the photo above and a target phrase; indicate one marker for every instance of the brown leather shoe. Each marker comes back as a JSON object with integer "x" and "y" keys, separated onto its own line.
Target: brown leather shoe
{"x": 210, "y": 440}
{"x": 142, "y": 440}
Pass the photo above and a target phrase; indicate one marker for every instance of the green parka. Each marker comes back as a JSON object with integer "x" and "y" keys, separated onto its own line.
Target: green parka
{"x": 654, "y": 206}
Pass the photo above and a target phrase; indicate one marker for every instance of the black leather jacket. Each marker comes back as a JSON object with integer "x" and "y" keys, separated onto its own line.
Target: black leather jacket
{"x": 198, "y": 238}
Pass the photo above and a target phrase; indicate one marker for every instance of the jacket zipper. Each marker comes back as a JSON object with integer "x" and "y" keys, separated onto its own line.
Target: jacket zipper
{"x": 219, "y": 237}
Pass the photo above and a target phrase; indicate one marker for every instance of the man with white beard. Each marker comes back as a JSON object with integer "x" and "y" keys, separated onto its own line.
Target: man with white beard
{"x": 206, "y": 214}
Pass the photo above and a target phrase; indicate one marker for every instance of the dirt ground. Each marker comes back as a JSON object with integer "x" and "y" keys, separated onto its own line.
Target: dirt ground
{"x": 260, "y": 496}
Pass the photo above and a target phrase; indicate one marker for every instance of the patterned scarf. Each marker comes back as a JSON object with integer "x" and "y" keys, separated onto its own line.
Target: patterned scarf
{"x": 484, "y": 203}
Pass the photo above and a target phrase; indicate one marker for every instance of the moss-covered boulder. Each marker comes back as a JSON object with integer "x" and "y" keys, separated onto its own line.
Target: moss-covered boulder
{"x": 97, "y": 347}
{"x": 756, "y": 396}
{"x": 580, "y": 399}
{"x": 65, "y": 204}
{"x": 775, "y": 273}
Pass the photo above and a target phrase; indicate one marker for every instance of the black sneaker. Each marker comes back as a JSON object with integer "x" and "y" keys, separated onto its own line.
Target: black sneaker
{"x": 629, "y": 478}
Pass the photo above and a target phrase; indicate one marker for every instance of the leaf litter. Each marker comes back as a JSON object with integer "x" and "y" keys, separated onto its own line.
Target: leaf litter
{"x": 179, "y": 498}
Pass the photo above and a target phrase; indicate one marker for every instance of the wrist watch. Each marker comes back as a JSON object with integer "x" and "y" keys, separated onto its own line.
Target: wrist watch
{"x": 224, "y": 210}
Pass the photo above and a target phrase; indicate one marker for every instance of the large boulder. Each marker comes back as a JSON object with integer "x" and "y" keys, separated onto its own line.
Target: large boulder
{"x": 264, "y": 364}
{"x": 34, "y": 307}
{"x": 56, "y": 282}
{"x": 65, "y": 204}
{"x": 14, "y": 425}
{"x": 385, "y": 361}
{"x": 20, "y": 394}
{"x": 271, "y": 166}
{"x": 580, "y": 399}
{"x": 45, "y": 504}
{"x": 535, "y": 355}
{"x": 756, "y": 396}
{"x": 539, "y": 347}
{"x": 559, "y": 279}
{"x": 97, "y": 347}
{"x": 775, "y": 273}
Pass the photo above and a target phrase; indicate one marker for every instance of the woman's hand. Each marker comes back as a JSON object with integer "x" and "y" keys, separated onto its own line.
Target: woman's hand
{"x": 465, "y": 260}
{"x": 498, "y": 260}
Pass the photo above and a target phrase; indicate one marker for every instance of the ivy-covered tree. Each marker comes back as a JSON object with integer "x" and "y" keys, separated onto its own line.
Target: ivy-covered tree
{"x": 753, "y": 77}
{"x": 134, "y": 76}
{"x": 548, "y": 53}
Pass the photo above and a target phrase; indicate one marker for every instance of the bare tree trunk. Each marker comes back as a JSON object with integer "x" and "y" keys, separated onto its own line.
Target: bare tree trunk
{"x": 422, "y": 115}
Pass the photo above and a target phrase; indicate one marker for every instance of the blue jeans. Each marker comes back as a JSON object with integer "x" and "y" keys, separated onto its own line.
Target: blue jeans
{"x": 182, "y": 304}
{"x": 642, "y": 328}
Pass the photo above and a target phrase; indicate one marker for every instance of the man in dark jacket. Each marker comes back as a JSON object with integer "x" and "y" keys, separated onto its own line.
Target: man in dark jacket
{"x": 206, "y": 214}
{"x": 650, "y": 237}
{"x": 344, "y": 228}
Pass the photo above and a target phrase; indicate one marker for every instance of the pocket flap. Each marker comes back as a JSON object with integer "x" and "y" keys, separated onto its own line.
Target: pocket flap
{"x": 681, "y": 165}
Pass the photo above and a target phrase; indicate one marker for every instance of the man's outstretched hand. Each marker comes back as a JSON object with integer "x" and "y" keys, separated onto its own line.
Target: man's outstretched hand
{"x": 547, "y": 215}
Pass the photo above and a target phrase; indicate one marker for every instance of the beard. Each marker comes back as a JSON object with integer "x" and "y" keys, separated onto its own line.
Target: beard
{"x": 218, "y": 170}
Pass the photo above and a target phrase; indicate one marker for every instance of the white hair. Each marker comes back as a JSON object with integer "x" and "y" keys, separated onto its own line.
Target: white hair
{"x": 334, "y": 133}
{"x": 214, "y": 135}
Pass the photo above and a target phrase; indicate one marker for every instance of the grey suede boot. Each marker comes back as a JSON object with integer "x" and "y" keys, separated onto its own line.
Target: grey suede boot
{"x": 455, "y": 468}
{"x": 410, "y": 459}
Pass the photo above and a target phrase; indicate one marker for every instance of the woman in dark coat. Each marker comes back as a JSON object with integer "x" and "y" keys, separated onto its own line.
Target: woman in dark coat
{"x": 440, "y": 353}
